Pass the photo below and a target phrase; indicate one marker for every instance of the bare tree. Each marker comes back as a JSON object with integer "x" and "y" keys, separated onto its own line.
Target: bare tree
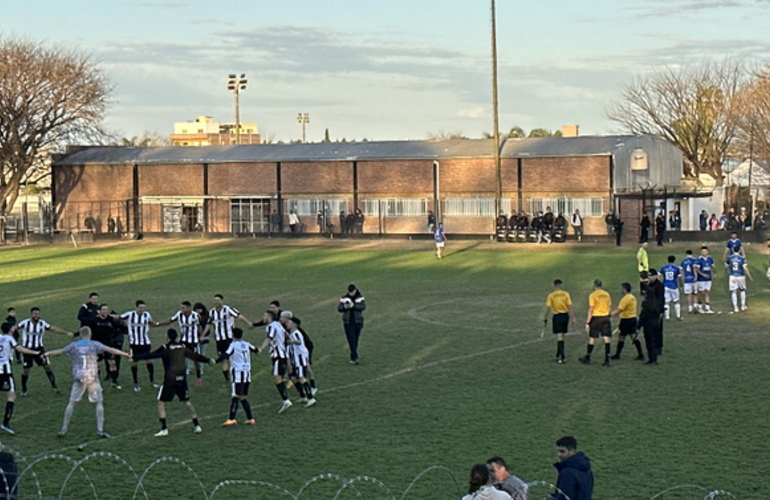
{"x": 442, "y": 136}
{"x": 146, "y": 140}
{"x": 49, "y": 96}
{"x": 754, "y": 132}
{"x": 695, "y": 108}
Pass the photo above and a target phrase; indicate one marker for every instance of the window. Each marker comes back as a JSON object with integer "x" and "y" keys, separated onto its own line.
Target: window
{"x": 311, "y": 207}
{"x": 250, "y": 215}
{"x": 396, "y": 207}
{"x": 589, "y": 207}
{"x": 473, "y": 207}
{"x": 184, "y": 130}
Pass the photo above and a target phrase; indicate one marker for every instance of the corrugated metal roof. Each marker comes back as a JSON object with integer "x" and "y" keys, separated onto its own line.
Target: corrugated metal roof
{"x": 346, "y": 151}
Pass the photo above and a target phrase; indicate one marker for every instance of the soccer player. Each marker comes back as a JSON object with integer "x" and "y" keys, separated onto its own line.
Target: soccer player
{"x": 189, "y": 322}
{"x": 10, "y": 320}
{"x": 440, "y": 238}
{"x": 703, "y": 268}
{"x": 598, "y": 322}
{"x": 222, "y": 319}
{"x": 560, "y": 303}
{"x": 643, "y": 264}
{"x": 731, "y": 244}
{"x": 671, "y": 274}
{"x": 650, "y": 317}
{"x": 239, "y": 353}
{"x": 690, "y": 287}
{"x": 8, "y": 346}
{"x": 738, "y": 269}
{"x": 85, "y": 376}
{"x": 284, "y": 317}
{"x": 276, "y": 339}
{"x": 32, "y": 331}
{"x": 299, "y": 355}
{"x": 139, "y": 322}
{"x": 174, "y": 354}
{"x": 352, "y": 306}
{"x": 627, "y": 327}
{"x": 89, "y": 310}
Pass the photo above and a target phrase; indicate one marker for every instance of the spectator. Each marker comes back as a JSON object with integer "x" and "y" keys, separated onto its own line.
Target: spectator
{"x": 577, "y": 224}
{"x": 293, "y": 222}
{"x": 645, "y": 225}
{"x": 704, "y": 220}
{"x": 352, "y": 306}
{"x": 359, "y": 221}
{"x": 350, "y": 221}
{"x": 342, "y": 222}
{"x": 275, "y": 222}
{"x": 576, "y": 481}
{"x": 723, "y": 220}
{"x": 505, "y": 481}
{"x": 713, "y": 222}
{"x": 732, "y": 221}
{"x": 431, "y": 221}
{"x": 618, "y": 230}
{"x": 660, "y": 228}
{"x": 609, "y": 221}
{"x": 480, "y": 487}
{"x": 320, "y": 221}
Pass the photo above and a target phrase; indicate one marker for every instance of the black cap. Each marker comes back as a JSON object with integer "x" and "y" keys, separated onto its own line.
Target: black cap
{"x": 653, "y": 272}
{"x": 351, "y": 287}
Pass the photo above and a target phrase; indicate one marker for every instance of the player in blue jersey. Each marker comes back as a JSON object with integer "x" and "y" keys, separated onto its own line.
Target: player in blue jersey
{"x": 733, "y": 242}
{"x": 703, "y": 270}
{"x": 440, "y": 237}
{"x": 690, "y": 287}
{"x": 671, "y": 274}
{"x": 738, "y": 270}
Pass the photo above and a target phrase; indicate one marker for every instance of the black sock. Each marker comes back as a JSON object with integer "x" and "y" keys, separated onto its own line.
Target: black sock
{"x": 135, "y": 373}
{"x": 307, "y": 390}
{"x": 606, "y": 351}
{"x": 619, "y": 349}
{"x": 233, "y": 408}
{"x": 589, "y": 350}
{"x": 151, "y": 371}
{"x": 163, "y": 423}
{"x": 638, "y": 346}
{"x": 247, "y": 409}
{"x": 226, "y": 374}
{"x": 24, "y": 379}
{"x": 301, "y": 390}
{"x": 8, "y": 413}
{"x": 312, "y": 383}
{"x": 560, "y": 349}
{"x": 282, "y": 390}
{"x": 51, "y": 378}
{"x": 197, "y": 370}
{"x": 195, "y": 422}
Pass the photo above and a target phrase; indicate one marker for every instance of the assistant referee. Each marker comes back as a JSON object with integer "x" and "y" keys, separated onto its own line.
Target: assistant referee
{"x": 560, "y": 303}
{"x": 598, "y": 322}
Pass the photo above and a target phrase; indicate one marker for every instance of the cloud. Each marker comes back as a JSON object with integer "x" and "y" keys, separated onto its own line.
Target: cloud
{"x": 656, "y": 8}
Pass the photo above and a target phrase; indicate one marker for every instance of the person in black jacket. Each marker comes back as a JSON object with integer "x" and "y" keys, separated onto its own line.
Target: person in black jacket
{"x": 89, "y": 310}
{"x": 645, "y": 225}
{"x": 352, "y": 306}
{"x": 660, "y": 228}
{"x": 651, "y": 317}
{"x": 576, "y": 481}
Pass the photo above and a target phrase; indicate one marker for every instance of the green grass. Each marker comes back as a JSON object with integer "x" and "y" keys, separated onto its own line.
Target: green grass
{"x": 453, "y": 371}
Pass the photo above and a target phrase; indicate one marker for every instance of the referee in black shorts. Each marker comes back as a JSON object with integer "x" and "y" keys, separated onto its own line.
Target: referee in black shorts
{"x": 560, "y": 303}
{"x": 598, "y": 322}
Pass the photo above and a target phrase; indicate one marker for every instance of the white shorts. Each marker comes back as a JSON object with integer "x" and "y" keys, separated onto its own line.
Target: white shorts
{"x": 79, "y": 388}
{"x": 672, "y": 295}
{"x": 440, "y": 244}
{"x": 690, "y": 288}
{"x": 737, "y": 283}
{"x": 704, "y": 286}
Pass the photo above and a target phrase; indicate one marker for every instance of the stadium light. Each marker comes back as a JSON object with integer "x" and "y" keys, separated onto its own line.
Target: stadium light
{"x": 235, "y": 84}
{"x": 303, "y": 119}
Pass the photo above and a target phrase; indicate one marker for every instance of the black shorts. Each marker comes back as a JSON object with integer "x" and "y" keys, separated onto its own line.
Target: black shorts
{"x": 643, "y": 276}
{"x": 6, "y": 383}
{"x": 600, "y": 327}
{"x": 560, "y": 323}
{"x": 222, "y": 346}
{"x": 29, "y": 359}
{"x": 140, "y": 349}
{"x": 240, "y": 389}
{"x": 627, "y": 326}
{"x": 178, "y": 389}
{"x": 279, "y": 366}
{"x": 193, "y": 346}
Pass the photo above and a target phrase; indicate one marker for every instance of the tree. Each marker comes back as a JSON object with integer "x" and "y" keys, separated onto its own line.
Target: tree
{"x": 697, "y": 109}
{"x": 753, "y": 136}
{"x": 326, "y": 136}
{"x": 49, "y": 96}
{"x": 146, "y": 140}
{"x": 516, "y": 132}
{"x": 542, "y": 132}
{"x": 442, "y": 136}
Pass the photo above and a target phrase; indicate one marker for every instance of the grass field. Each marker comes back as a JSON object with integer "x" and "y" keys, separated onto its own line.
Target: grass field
{"x": 453, "y": 371}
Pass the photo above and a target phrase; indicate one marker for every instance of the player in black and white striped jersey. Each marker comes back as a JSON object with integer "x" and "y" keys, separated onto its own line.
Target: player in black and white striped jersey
{"x": 221, "y": 320}
{"x": 276, "y": 339}
{"x": 284, "y": 317}
{"x": 139, "y": 322}
{"x": 300, "y": 358}
{"x": 32, "y": 330}
{"x": 190, "y": 333}
{"x": 239, "y": 353}
{"x": 8, "y": 346}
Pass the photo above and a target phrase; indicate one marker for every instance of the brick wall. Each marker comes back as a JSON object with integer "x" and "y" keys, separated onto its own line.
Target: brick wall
{"x": 316, "y": 178}
{"x": 405, "y": 177}
{"x": 566, "y": 175}
{"x": 234, "y": 179}
{"x": 170, "y": 180}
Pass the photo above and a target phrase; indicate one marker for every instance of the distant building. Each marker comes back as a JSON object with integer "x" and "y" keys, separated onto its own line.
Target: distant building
{"x": 204, "y": 131}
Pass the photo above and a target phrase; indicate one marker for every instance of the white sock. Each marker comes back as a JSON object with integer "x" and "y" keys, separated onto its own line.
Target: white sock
{"x": 68, "y": 415}
{"x": 734, "y": 296}
{"x": 678, "y": 310}
{"x": 743, "y": 298}
{"x": 100, "y": 417}
{"x": 667, "y": 311}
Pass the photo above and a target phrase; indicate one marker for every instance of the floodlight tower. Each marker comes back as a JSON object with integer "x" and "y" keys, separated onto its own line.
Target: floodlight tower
{"x": 303, "y": 119}
{"x": 236, "y": 84}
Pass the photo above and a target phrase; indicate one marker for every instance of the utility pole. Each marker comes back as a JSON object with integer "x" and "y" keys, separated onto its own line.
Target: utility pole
{"x": 236, "y": 84}
{"x": 303, "y": 119}
{"x": 496, "y": 135}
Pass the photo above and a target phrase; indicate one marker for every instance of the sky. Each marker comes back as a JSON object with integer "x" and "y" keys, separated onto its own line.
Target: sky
{"x": 385, "y": 69}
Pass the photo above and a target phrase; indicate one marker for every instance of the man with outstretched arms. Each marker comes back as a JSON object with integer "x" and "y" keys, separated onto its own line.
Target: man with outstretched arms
{"x": 32, "y": 331}
{"x": 222, "y": 319}
{"x": 8, "y": 347}
{"x": 704, "y": 268}
{"x": 139, "y": 322}
{"x": 190, "y": 334}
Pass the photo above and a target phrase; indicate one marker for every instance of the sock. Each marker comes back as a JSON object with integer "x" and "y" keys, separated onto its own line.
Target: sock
{"x": 99, "y": 417}
{"x": 195, "y": 422}
{"x": 8, "y": 413}
{"x": 307, "y": 390}
{"x": 743, "y": 298}
{"x": 638, "y": 346}
{"x": 678, "y": 310}
{"x": 51, "y": 378}
{"x": 233, "y": 408}
{"x": 560, "y": 349}
{"x": 282, "y": 390}
{"x": 668, "y": 311}
{"x": 589, "y": 350}
{"x": 151, "y": 371}
{"x": 163, "y": 424}
{"x": 619, "y": 349}
{"x": 312, "y": 383}
{"x": 734, "y": 297}
{"x": 606, "y": 351}
{"x": 197, "y": 370}
{"x": 24, "y": 379}
{"x": 226, "y": 374}
{"x": 247, "y": 409}
{"x": 68, "y": 416}
{"x": 134, "y": 374}
{"x": 301, "y": 390}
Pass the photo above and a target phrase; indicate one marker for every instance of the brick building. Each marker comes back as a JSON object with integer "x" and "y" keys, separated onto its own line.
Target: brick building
{"x": 234, "y": 189}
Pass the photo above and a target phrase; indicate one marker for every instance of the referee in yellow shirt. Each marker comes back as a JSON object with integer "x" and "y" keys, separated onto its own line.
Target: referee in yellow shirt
{"x": 560, "y": 303}
{"x": 598, "y": 322}
{"x": 627, "y": 312}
